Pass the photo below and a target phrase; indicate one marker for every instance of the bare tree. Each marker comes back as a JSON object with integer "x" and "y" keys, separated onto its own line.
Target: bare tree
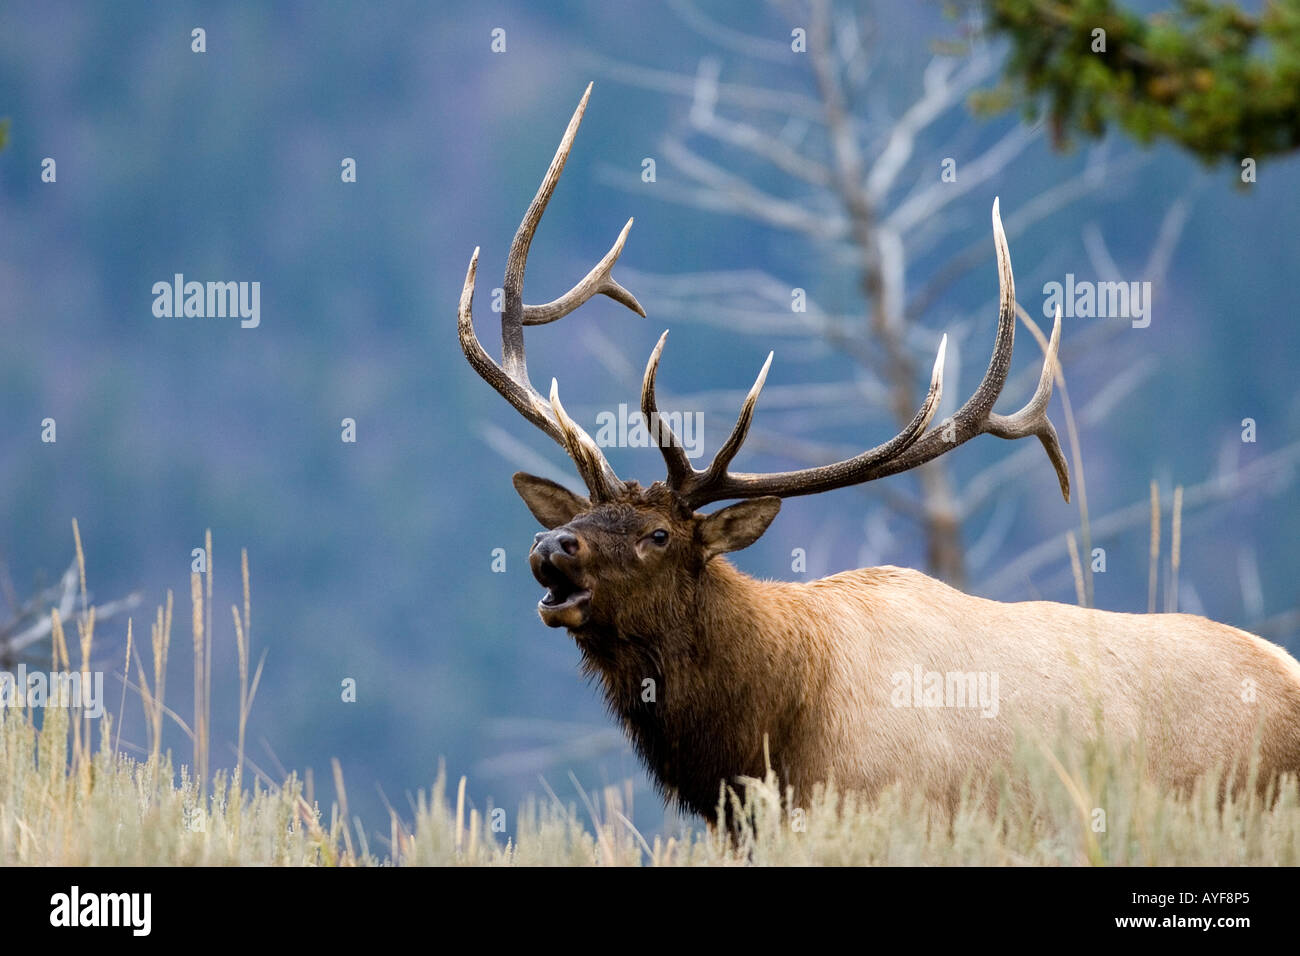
{"x": 860, "y": 185}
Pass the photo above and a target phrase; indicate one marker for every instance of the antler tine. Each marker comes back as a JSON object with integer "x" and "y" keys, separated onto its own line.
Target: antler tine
{"x": 598, "y": 281}
{"x": 679, "y": 466}
{"x": 914, "y": 446}
{"x": 510, "y": 378}
{"x": 1033, "y": 420}
{"x": 512, "y": 311}
{"x": 740, "y": 431}
{"x": 595, "y": 470}
{"x": 980, "y": 404}
{"x": 514, "y": 314}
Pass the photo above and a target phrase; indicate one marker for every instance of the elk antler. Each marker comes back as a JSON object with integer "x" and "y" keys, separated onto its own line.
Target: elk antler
{"x": 510, "y": 378}
{"x": 911, "y": 447}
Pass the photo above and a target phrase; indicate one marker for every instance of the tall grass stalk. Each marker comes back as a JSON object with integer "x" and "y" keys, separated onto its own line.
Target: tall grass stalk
{"x": 64, "y": 801}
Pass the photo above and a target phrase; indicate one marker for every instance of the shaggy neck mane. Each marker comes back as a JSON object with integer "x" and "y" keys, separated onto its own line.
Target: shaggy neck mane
{"x": 739, "y": 661}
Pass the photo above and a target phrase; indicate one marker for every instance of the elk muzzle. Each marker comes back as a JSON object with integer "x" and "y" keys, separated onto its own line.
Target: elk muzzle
{"x": 556, "y": 560}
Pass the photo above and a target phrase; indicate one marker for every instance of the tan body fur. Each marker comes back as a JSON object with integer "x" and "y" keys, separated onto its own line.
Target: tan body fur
{"x": 811, "y": 667}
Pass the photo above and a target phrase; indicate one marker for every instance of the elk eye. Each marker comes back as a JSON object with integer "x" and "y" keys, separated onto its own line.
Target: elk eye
{"x": 659, "y": 537}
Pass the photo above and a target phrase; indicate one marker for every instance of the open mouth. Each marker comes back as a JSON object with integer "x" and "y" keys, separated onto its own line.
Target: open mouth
{"x": 565, "y": 602}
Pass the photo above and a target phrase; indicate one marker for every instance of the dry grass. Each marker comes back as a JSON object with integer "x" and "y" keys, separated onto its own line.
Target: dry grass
{"x": 67, "y": 800}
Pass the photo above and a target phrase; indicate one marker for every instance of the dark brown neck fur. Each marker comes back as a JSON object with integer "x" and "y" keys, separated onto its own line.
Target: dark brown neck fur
{"x": 734, "y": 670}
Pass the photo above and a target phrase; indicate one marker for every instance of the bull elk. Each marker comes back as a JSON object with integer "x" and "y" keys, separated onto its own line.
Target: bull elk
{"x": 808, "y": 675}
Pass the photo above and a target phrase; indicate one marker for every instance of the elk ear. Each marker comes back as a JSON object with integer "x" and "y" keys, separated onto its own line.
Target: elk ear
{"x": 551, "y": 504}
{"x": 737, "y": 526}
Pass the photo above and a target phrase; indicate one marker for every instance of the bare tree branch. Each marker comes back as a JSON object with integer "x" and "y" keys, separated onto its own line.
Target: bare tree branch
{"x": 733, "y": 94}
{"x": 746, "y": 199}
{"x": 774, "y": 51}
{"x": 1266, "y": 475}
{"x": 775, "y": 150}
{"x": 943, "y": 86}
{"x": 926, "y": 204}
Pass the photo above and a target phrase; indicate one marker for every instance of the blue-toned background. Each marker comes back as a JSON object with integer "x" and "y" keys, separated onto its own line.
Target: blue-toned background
{"x": 373, "y": 560}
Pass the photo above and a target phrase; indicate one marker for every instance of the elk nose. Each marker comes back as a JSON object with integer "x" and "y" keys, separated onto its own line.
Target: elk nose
{"x": 547, "y": 543}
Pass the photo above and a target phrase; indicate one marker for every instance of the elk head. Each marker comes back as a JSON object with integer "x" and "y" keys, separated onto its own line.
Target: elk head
{"x": 627, "y": 559}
